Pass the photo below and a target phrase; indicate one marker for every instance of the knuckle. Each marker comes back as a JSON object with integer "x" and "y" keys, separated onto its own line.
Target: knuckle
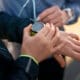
{"x": 49, "y": 17}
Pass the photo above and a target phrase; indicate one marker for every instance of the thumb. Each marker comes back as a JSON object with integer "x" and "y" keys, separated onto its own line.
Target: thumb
{"x": 27, "y": 30}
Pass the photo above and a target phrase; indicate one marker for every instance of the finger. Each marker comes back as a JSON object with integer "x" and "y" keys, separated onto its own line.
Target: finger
{"x": 52, "y": 32}
{"x": 59, "y": 59}
{"x": 73, "y": 54}
{"x": 76, "y": 48}
{"x": 73, "y": 46}
{"x": 58, "y": 48}
{"x": 56, "y": 37}
{"x": 46, "y": 12}
{"x": 76, "y": 42}
{"x": 68, "y": 51}
{"x": 51, "y": 16}
{"x": 57, "y": 19}
{"x": 76, "y": 55}
{"x": 75, "y": 36}
{"x": 45, "y": 30}
{"x": 58, "y": 24}
{"x": 27, "y": 30}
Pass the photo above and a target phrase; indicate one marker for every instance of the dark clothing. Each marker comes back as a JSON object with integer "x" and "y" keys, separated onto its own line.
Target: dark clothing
{"x": 11, "y": 28}
{"x": 56, "y": 74}
{"x": 13, "y": 7}
{"x": 23, "y": 68}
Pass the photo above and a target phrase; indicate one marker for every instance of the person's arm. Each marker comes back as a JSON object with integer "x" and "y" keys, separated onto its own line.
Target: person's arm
{"x": 75, "y": 8}
{"x": 24, "y": 68}
{"x": 59, "y": 17}
{"x": 11, "y": 27}
{"x": 35, "y": 49}
{"x": 5, "y": 61}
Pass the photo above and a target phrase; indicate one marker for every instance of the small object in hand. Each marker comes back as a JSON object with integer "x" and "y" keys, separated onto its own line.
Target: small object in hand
{"x": 36, "y": 27}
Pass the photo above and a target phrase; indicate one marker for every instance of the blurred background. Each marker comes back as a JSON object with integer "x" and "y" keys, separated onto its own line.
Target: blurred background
{"x": 72, "y": 71}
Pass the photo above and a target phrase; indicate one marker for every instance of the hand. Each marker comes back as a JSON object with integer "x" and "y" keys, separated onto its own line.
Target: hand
{"x": 40, "y": 46}
{"x": 54, "y": 15}
{"x": 64, "y": 36}
{"x": 58, "y": 57}
{"x": 72, "y": 47}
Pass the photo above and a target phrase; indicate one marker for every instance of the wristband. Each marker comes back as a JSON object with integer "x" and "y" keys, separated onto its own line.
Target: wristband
{"x": 29, "y": 56}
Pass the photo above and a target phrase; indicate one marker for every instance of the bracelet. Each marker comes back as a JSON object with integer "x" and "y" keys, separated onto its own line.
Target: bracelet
{"x": 29, "y": 56}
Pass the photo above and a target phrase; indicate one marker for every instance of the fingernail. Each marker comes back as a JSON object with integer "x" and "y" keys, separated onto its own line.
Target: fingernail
{"x": 47, "y": 24}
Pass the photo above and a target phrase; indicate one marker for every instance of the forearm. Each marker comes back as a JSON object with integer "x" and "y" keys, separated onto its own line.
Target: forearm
{"x": 25, "y": 69}
{"x": 11, "y": 27}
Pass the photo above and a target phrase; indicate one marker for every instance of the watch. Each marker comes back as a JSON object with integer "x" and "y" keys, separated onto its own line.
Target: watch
{"x": 69, "y": 13}
{"x": 36, "y": 27}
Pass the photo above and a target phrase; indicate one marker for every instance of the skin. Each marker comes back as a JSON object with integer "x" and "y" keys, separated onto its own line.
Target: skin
{"x": 44, "y": 42}
{"x": 72, "y": 48}
{"x": 54, "y": 15}
{"x": 51, "y": 42}
{"x": 58, "y": 17}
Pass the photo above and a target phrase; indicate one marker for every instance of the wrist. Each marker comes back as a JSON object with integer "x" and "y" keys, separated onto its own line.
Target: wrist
{"x": 33, "y": 53}
{"x": 29, "y": 56}
{"x": 27, "y": 65}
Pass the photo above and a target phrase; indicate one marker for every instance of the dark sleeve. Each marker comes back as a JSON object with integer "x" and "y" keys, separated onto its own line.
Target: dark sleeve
{"x": 5, "y": 61}
{"x": 11, "y": 27}
{"x": 73, "y": 4}
{"x": 24, "y": 69}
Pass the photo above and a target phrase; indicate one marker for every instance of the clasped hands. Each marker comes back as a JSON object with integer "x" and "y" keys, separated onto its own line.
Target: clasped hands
{"x": 49, "y": 41}
{"x": 59, "y": 18}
